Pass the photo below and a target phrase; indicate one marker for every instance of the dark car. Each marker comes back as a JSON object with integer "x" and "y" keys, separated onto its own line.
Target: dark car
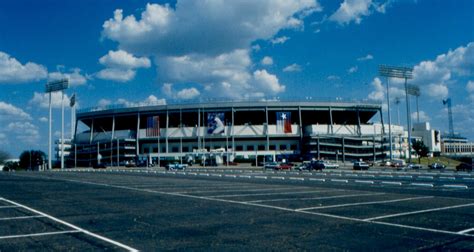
{"x": 99, "y": 166}
{"x": 360, "y": 166}
{"x": 436, "y": 166}
{"x": 464, "y": 167}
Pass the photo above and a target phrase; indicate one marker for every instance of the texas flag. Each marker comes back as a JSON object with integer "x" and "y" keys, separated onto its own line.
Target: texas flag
{"x": 283, "y": 122}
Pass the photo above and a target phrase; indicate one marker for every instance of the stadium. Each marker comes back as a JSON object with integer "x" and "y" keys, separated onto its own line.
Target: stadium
{"x": 230, "y": 131}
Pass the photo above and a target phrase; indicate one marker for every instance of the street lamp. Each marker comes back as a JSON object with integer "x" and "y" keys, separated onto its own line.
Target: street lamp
{"x": 401, "y": 73}
{"x": 54, "y": 86}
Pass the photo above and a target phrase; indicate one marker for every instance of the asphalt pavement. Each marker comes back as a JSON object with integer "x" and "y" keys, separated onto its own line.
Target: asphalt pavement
{"x": 236, "y": 209}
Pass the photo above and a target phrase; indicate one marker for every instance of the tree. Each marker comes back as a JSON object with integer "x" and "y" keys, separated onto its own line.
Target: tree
{"x": 32, "y": 159}
{"x": 4, "y": 156}
{"x": 421, "y": 149}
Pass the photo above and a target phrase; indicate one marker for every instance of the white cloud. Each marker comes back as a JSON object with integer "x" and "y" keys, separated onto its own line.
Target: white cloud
{"x": 437, "y": 90}
{"x": 365, "y": 58}
{"x": 42, "y": 100}
{"x": 123, "y": 60}
{"x": 75, "y": 77}
{"x": 279, "y": 40}
{"x": 12, "y": 71}
{"x": 115, "y": 74}
{"x": 379, "y": 93}
{"x": 423, "y": 116}
{"x": 292, "y": 68}
{"x": 222, "y": 34}
{"x": 24, "y": 131}
{"x": 351, "y": 10}
{"x": 333, "y": 77}
{"x": 104, "y": 103}
{"x": 188, "y": 93}
{"x": 267, "y": 60}
{"x": 229, "y": 25}
{"x": 437, "y": 75}
{"x": 10, "y": 111}
{"x": 43, "y": 119}
{"x": 470, "y": 86}
{"x": 352, "y": 69}
{"x": 121, "y": 66}
{"x": 267, "y": 82}
{"x": 149, "y": 101}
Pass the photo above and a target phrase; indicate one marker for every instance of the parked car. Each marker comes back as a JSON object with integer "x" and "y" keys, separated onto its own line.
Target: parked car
{"x": 99, "y": 166}
{"x": 284, "y": 166}
{"x": 271, "y": 165}
{"x": 414, "y": 166}
{"x": 176, "y": 166}
{"x": 329, "y": 165}
{"x": 360, "y": 166}
{"x": 304, "y": 166}
{"x": 437, "y": 166}
{"x": 464, "y": 167}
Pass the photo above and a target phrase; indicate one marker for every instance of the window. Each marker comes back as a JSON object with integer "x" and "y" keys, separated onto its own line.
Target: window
{"x": 294, "y": 147}
{"x": 155, "y": 150}
{"x": 185, "y": 149}
{"x": 272, "y": 147}
{"x": 261, "y": 147}
{"x": 239, "y": 148}
{"x": 282, "y": 146}
{"x": 250, "y": 147}
{"x": 175, "y": 149}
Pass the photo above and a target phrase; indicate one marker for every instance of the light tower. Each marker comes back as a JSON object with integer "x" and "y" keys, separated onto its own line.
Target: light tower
{"x": 402, "y": 73}
{"x": 54, "y": 86}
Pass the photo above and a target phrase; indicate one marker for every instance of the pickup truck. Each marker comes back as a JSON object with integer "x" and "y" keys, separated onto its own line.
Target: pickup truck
{"x": 176, "y": 166}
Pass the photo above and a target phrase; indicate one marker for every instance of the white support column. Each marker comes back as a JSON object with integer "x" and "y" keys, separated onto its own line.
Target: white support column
{"x": 62, "y": 129}
{"x": 137, "y": 150}
{"x": 49, "y": 137}
{"x": 166, "y": 135}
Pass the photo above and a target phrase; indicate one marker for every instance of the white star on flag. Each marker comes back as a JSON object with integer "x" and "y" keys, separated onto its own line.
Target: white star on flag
{"x": 283, "y": 116}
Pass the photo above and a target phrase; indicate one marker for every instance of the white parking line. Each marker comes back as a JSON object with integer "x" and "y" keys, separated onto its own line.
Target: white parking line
{"x": 421, "y": 184}
{"x": 22, "y": 217}
{"x": 466, "y": 231}
{"x": 418, "y": 212}
{"x": 76, "y": 228}
{"x": 392, "y": 182}
{"x": 363, "y": 203}
{"x": 318, "y": 198}
{"x": 364, "y": 181}
{"x": 39, "y": 234}
{"x": 263, "y": 206}
{"x": 264, "y": 194}
{"x": 240, "y": 190}
{"x": 457, "y": 186}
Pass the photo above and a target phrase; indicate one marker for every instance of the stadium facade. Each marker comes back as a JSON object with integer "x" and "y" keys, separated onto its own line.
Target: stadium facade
{"x": 255, "y": 131}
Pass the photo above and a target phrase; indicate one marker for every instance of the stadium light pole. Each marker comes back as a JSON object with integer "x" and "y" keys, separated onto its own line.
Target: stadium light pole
{"x": 54, "y": 86}
{"x": 401, "y": 73}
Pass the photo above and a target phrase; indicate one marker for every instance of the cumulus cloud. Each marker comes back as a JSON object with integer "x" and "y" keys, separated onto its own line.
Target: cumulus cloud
{"x": 423, "y": 116}
{"x": 8, "y": 110}
{"x": 333, "y": 77}
{"x": 470, "y": 86}
{"x": 12, "y": 71}
{"x": 120, "y": 66}
{"x": 118, "y": 75}
{"x": 123, "y": 59}
{"x": 43, "y": 119}
{"x": 292, "y": 68}
{"x": 185, "y": 94}
{"x": 351, "y": 11}
{"x": 16, "y": 125}
{"x": 267, "y": 60}
{"x": 379, "y": 92}
{"x": 279, "y": 40}
{"x": 149, "y": 101}
{"x": 75, "y": 77}
{"x": 365, "y": 58}
{"x": 267, "y": 82}
{"x": 352, "y": 69}
{"x": 437, "y": 75}
{"x": 104, "y": 103}
{"x": 222, "y": 35}
{"x": 42, "y": 100}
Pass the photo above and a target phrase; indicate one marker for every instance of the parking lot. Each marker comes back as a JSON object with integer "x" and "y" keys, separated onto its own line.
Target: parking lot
{"x": 212, "y": 208}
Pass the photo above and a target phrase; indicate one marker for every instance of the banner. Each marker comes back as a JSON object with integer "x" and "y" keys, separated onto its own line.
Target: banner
{"x": 283, "y": 122}
{"x": 215, "y": 123}
{"x": 153, "y": 126}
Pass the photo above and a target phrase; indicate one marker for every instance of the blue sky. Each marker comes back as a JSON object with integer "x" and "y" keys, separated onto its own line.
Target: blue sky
{"x": 138, "y": 52}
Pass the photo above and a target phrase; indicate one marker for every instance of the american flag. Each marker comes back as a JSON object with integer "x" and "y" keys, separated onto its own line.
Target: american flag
{"x": 283, "y": 122}
{"x": 153, "y": 126}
